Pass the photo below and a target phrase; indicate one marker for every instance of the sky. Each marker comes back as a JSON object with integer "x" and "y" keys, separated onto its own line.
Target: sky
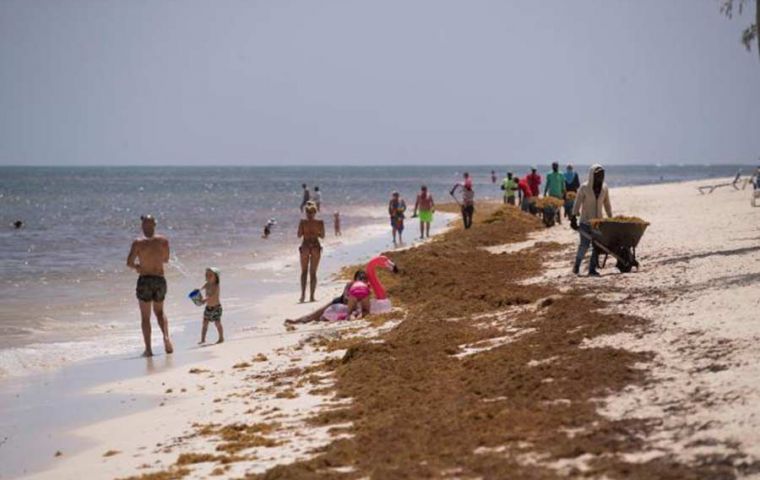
{"x": 280, "y": 82}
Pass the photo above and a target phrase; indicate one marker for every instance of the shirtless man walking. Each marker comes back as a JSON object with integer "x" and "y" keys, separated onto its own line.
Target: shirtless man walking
{"x": 425, "y": 207}
{"x": 151, "y": 252}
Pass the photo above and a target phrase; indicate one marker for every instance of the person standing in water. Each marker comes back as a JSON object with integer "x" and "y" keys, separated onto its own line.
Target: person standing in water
{"x": 397, "y": 210}
{"x": 317, "y": 198}
{"x": 592, "y": 201}
{"x": 147, "y": 257}
{"x": 509, "y": 185}
{"x": 336, "y": 224}
{"x": 493, "y": 176}
{"x": 306, "y": 196}
{"x": 468, "y": 199}
{"x": 310, "y": 230}
{"x": 425, "y": 207}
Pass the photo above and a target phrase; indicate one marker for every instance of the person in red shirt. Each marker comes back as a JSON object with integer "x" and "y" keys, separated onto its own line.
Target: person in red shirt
{"x": 525, "y": 193}
{"x": 534, "y": 181}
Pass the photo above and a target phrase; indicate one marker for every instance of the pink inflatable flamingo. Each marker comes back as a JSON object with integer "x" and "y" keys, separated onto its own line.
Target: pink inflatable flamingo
{"x": 381, "y": 303}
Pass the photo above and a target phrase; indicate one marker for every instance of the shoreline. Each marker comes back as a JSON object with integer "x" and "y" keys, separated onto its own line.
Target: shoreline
{"x": 254, "y": 323}
{"x": 510, "y": 366}
{"x": 32, "y": 355}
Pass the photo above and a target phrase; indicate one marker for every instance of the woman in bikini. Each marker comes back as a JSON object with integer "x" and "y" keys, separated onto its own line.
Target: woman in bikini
{"x": 316, "y": 316}
{"x": 310, "y": 230}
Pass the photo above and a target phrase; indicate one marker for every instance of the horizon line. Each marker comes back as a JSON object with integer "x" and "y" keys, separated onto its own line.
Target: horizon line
{"x": 128, "y": 165}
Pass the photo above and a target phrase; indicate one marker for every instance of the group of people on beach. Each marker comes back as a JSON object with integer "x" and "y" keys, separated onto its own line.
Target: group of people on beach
{"x": 588, "y": 201}
{"x": 149, "y": 253}
{"x": 424, "y": 206}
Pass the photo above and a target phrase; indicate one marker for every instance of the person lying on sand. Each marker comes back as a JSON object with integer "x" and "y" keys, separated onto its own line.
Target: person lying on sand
{"x": 358, "y": 297}
{"x": 316, "y": 316}
{"x": 213, "y": 311}
{"x": 147, "y": 257}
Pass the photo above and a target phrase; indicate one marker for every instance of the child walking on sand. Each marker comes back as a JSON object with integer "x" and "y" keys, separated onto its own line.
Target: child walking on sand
{"x": 213, "y": 311}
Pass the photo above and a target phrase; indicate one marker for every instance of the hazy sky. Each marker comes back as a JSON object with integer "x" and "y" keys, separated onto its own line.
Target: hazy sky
{"x": 359, "y": 82}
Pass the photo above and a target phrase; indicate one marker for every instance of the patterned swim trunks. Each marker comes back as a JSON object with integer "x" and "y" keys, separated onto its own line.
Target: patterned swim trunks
{"x": 213, "y": 314}
{"x": 151, "y": 288}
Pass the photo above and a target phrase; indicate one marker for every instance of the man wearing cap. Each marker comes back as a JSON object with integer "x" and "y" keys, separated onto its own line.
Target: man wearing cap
{"x": 147, "y": 257}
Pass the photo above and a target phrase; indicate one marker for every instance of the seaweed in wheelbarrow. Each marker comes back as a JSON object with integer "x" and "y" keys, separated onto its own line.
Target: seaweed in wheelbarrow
{"x": 619, "y": 236}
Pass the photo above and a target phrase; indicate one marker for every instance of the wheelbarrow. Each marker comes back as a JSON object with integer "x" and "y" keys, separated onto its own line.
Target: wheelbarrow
{"x": 550, "y": 209}
{"x": 619, "y": 240}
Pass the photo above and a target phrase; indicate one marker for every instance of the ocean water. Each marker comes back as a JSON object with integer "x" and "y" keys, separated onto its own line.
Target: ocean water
{"x": 64, "y": 288}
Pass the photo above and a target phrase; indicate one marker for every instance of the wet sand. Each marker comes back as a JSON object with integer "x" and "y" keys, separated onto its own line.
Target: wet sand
{"x": 497, "y": 363}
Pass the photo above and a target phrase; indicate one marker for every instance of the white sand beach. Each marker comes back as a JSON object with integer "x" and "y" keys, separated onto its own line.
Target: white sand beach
{"x": 699, "y": 284}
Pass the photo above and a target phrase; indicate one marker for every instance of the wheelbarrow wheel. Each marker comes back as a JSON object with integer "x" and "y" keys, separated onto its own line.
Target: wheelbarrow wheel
{"x": 627, "y": 260}
{"x": 624, "y": 267}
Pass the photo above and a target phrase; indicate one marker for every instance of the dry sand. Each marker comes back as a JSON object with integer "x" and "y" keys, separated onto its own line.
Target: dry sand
{"x": 496, "y": 366}
{"x": 700, "y": 287}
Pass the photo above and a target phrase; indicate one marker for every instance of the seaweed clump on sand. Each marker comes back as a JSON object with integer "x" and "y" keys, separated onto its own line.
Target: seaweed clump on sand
{"x": 430, "y": 401}
{"x": 595, "y": 222}
{"x": 551, "y": 202}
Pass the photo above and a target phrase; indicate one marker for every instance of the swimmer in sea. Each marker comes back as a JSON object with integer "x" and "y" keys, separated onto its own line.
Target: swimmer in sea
{"x": 310, "y": 230}
{"x": 147, "y": 257}
{"x": 18, "y": 224}
{"x": 424, "y": 206}
{"x": 268, "y": 227}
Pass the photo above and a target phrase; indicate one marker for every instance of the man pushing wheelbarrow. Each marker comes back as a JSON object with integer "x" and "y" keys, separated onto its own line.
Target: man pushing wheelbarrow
{"x": 592, "y": 198}
{"x": 615, "y": 236}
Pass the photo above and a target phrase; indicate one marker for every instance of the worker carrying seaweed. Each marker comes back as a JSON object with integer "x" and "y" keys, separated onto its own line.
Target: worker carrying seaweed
{"x": 592, "y": 198}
